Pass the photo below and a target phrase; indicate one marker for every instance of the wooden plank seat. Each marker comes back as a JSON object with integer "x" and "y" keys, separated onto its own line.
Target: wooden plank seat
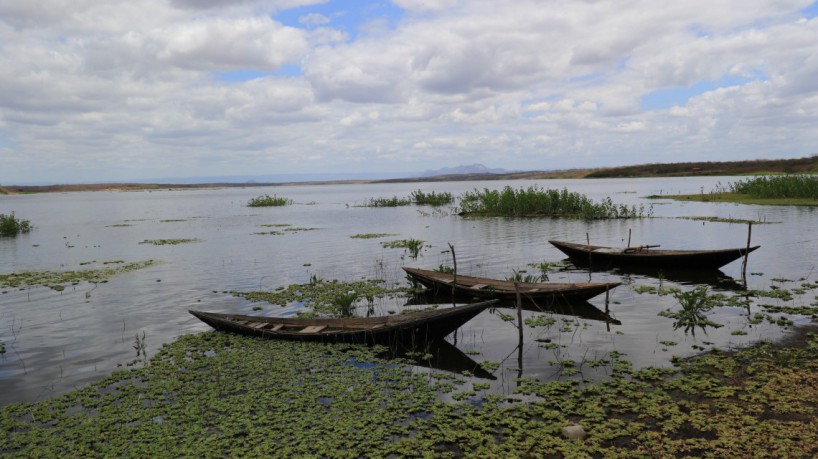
{"x": 313, "y": 329}
{"x": 479, "y": 286}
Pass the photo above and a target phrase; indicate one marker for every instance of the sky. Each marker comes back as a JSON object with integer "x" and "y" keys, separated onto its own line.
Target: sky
{"x": 117, "y": 90}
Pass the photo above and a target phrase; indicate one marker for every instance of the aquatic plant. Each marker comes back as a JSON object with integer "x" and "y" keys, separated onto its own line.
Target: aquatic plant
{"x": 345, "y": 303}
{"x": 778, "y": 187}
{"x": 432, "y": 198}
{"x": 320, "y": 295}
{"x": 694, "y": 306}
{"x": 268, "y": 201}
{"x": 537, "y": 202}
{"x": 413, "y": 246}
{"x": 11, "y": 226}
{"x": 371, "y": 235}
{"x": 223, "y": 395}
{"x": 52, "y": 278}
{"x": 169, "y": 241}
{"x": 394, "y": 201}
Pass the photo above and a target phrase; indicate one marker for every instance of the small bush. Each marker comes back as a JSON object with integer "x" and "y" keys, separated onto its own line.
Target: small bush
{"x": 11, "y": 226}
{"x": 268, "y": 201}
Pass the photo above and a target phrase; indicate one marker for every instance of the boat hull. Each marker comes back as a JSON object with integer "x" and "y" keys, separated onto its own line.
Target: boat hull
{"x": 583, "y": 254}
{"x": 468, "y": 286}
{"x": 409, "y": 328}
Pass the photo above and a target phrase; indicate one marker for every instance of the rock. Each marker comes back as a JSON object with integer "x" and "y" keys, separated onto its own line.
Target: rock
{"x": 574, "y": 432}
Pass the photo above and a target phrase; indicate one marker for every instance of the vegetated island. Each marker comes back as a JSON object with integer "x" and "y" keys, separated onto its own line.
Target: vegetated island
{"x": 807, "y": 165}
{"x": 799, "y": 190}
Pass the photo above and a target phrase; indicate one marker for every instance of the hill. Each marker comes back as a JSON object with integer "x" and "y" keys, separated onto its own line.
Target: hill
{"x": 780, "y": 166}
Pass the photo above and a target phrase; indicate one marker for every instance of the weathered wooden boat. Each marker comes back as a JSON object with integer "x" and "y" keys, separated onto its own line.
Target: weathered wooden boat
{"x": 417, "y": 327}
{"x": 585, "y": 254}
{"x": 481, "y": 287}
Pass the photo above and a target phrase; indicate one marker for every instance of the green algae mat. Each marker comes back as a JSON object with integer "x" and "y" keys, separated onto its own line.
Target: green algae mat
{"x": 219, "y": 395}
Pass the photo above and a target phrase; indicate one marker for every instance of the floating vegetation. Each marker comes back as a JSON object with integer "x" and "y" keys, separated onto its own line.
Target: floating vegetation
{"x": 223, "y": 395}
{"x": 727, "y": 220}
{"x": 52, "y": 278}
{"x": 413, "y": 246}
{"x": 11, "y": 226}
{"x": 169, "y": 241}
{"x": 371, "y": 235}
{"x": 173, "y": 220}
{"x": 275, "y": 225}
{"x": 119, "y": 225}
{"x": 268, "y": 201}
{"x": 321, "y": 295}
{"x": 285, "y": 231}
{"x": 538, "y": 202}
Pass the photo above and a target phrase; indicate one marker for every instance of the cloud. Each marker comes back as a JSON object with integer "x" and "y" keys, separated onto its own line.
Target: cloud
{"x": 99, "y": 90}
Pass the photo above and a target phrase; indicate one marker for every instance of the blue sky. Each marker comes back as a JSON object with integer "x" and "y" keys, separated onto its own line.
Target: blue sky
{"x": 669, "y": 97}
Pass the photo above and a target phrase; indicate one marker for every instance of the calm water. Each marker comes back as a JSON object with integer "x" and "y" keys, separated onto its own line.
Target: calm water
{"x": 56, "y": 341}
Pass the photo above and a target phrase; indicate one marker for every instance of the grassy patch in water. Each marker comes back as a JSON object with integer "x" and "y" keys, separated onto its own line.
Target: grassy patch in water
{"x": 169, "y": 241}
{"x": 285, "y": 231}
{"x": 53, "y": 278}
{"x": 726, "y": 220}
{"x": 538, "y": 202}
{"x": 269, "y": 201}
{"x": 220, "y": 395}
{"x": 413, "y": 246}
{"x": 416, "y": 198}
{"x": 371, "y": 235}
{"x": 779, "y": 190}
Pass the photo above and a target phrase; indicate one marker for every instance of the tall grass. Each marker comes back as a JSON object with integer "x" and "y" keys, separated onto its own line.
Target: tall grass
{"x": 268, "y": 201}
{"x": 417, "y": 197}
{"x": 11, "y": 226}
{"x": 394, "y": 201}
{"x": 431, "y": 199}
{"x": 534, "y": 201}
{"x": 778, "y": 186}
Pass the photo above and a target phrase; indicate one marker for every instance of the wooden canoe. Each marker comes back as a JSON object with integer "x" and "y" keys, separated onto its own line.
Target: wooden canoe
{"x": 585, "y": 254}
{"x": 481, "y": 287}
{"x": 418, "y": 327}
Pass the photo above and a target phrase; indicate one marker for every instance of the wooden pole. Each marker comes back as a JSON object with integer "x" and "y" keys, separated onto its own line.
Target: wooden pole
{"x": 747, "y": 253}
{"x": 590, "y": 261}
{"x": 519, "y": 312}
{"x": 629, "y": 238}
{"x": 454, "y": 261}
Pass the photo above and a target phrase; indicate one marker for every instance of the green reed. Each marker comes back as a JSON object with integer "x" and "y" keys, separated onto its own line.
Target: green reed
{"x": 432, "y": 199}
{"x": 11, "y": 226}
{"x": 416, "y": 198}
{"x": 778, "y": 186}
{"x": 538, "y": 202}
{"x": 269, "y": 201}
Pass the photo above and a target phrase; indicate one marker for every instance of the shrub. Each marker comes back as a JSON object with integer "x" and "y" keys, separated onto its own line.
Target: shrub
{"x": 11, "y": 226}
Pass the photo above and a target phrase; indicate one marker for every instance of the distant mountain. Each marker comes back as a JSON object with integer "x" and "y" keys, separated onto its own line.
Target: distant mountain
{"x": 461, "y": 170}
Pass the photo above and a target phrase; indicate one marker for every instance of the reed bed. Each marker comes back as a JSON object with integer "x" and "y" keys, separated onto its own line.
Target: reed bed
{"x": 416, "y": 198}
{"x": 538, "y": 202}
{"x": 778, "y": 187}
{"x": 269, "y": 201}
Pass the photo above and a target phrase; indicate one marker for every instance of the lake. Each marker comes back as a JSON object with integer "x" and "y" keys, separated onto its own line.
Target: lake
{"x": 59, "y": 340}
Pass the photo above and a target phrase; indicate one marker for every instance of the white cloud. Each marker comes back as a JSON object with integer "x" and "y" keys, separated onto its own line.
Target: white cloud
{"x": 93, "y": 88}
